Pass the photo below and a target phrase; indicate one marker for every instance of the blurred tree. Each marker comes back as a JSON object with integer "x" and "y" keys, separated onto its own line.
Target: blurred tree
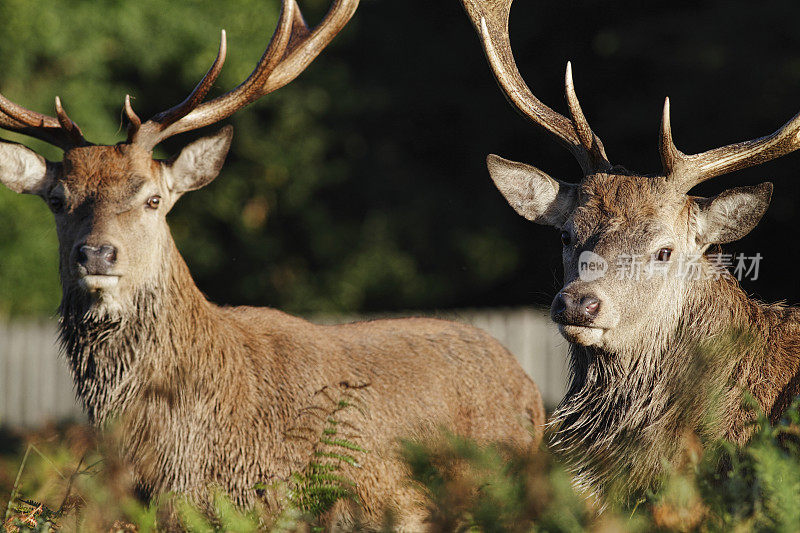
{"x": 361, "y": 186}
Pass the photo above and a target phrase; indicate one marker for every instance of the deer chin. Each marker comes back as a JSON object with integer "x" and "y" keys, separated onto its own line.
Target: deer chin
{"x": 105, "y": 304}
{"x": 583, "y": 335}
{"x": 104, "y": 294}
{"x": 98, "y": 284}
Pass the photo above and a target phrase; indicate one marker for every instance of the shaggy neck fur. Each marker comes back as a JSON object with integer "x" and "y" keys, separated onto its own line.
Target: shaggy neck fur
{"x": 106, "y": 351}
{"x": 239, "y": 397}
{"x": 625, "y": 415}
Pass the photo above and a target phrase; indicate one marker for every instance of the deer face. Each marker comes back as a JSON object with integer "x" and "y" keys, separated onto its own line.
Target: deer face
{"x": 613, "y": 216}
{"x": 110, "y": 205}
{"x": 630, "y": 245}
{"x": 617, "y": 248}
{"x": 110, "y": 202}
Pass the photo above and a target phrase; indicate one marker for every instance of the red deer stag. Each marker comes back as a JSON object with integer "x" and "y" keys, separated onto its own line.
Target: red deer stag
{"x": 226, "y": 395}
{"x": 637, "y": 379}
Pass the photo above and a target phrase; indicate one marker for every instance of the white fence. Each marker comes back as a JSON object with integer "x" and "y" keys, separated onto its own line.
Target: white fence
{"x": 35, "y": 385}
{"x": 36, "y": 388}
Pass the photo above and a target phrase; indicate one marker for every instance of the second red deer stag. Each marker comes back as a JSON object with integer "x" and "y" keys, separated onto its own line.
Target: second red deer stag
{"x": 651, "y": 355}
{"x": 231, "y": 396}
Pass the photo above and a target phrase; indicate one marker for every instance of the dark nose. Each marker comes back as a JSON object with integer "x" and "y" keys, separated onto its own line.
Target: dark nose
{"x": 97, "y": 261}
{"x": 574, "y": 309}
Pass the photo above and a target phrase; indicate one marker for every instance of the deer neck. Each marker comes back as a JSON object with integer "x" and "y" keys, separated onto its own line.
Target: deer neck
{"x": 112, "y": 356}
{"x": 624, "y": 415}
{"x": 741, "y": 345}
{"x": 770, "y": 369}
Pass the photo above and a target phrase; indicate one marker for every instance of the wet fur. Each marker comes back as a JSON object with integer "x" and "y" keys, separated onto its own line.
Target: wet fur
{"x": 680, "y": 371}
{"x": 233, "y": 396}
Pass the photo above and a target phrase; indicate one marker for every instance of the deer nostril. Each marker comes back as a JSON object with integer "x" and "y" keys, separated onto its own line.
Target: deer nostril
{"x": 97, "y": 261}
{"x": 83, "y": 256}
{"x": 591, "y": 305}
{"x": 559, "y": 304}
{"x": 108, "y": 253}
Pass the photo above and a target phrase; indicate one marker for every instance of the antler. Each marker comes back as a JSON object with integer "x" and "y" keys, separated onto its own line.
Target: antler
{"x": 292, "y": 48}
{"x": 61, "y": 131}
{"x": 686, "y": 171}
{"x": 490, "y": 18}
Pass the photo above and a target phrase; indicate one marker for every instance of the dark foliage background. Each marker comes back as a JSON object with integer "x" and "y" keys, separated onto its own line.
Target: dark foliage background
{"x": 362, "y": 185}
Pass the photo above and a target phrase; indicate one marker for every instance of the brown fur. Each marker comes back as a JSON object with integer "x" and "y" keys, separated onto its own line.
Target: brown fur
{"x": 676, "y": 355}
{"x": 655, "y": 357}
{"x": 664, "y": 355}
{"x": 234, "y": 397}
{"x": 619, "y": 423}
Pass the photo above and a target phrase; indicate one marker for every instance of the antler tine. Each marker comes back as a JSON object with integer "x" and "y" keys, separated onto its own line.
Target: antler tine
{"x": 150, "y": 132}
{"x": 686, "y": 171}
{"x": 670, "y": 155}
{"x": 591, "y": 143}
{"x": 14, "y": 117}
{"x": 306, "y": 45}
{"x": 134, "y": 122}
{"x": 292, "y": 48}
{"x": 52, "y": 135}
{"x": 490, "y": 19}
{"x": 68, "y": 125}
{"x": 27, "y": 117}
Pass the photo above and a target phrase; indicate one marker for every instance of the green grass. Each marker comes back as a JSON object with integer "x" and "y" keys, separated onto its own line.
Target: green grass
{"x": 70, "y": 480}
{"x": 66, "y": 481}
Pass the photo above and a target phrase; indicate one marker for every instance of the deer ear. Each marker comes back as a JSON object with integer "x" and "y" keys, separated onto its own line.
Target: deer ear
{"x": 199, "y": 162}
{"x": 532, "y": 193}
{"x": 732, "y": 214}
{"x": 24, "y": 171}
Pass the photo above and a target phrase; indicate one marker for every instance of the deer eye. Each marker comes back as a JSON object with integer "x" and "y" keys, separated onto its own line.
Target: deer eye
{"x": 154, "y": 201}
{"x": 664, "y": 254}
{"x": 566, "y": 238}
{"x": 56, "y": 204}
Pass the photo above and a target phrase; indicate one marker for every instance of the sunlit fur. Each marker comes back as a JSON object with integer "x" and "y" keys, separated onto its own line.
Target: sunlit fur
{"x": 237, "y": 396}
{"x": 677, "y": 354}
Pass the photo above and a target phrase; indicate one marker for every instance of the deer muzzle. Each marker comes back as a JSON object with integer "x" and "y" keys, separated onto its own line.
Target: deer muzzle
{"x": 575, "y": 315}
{"x": 95, "y": 266}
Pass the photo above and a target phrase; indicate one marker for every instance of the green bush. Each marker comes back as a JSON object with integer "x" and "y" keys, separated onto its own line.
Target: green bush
{"x": 469, "y": 487}
{"x": 74, "y": 481}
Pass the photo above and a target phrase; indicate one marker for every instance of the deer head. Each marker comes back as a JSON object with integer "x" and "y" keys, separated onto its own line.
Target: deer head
{"x": 110, "y": 202}
{"x": 613, "y": 216}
